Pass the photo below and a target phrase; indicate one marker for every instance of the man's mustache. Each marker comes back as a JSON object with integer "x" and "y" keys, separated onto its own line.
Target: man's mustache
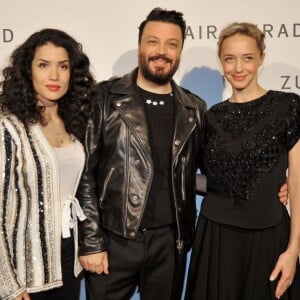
{"x": 168, "y": 60}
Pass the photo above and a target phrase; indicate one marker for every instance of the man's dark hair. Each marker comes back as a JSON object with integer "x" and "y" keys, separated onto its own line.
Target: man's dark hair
{"x": 163, "y": 15}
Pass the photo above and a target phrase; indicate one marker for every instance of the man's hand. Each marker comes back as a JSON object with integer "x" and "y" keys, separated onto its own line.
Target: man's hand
{"x": 283, "y": 194}
{"x": 95, "y": 263}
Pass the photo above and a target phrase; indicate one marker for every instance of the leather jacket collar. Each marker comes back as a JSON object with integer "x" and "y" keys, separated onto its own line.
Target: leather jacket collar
{"x": 131, "y": 102}
{"x": 127, "y": 85}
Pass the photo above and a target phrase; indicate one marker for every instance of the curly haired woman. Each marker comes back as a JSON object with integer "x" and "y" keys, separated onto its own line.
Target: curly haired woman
{"x": 45, "y": 102}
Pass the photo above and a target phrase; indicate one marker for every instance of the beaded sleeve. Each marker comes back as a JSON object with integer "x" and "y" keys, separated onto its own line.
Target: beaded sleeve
{"x": 12, "y": 214}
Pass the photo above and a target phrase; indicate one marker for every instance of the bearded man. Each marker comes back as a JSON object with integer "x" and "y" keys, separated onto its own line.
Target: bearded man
{"x": 138, "y": 188}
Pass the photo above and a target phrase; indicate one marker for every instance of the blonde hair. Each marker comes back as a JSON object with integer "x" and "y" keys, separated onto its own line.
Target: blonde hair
{"x": 244, "y": 28}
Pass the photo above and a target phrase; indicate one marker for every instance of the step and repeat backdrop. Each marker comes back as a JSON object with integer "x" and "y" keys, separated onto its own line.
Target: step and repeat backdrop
{"x": 108, "y": 31}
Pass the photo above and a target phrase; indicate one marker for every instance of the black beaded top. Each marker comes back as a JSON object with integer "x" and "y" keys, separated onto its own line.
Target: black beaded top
{"x": 246, "y": 157}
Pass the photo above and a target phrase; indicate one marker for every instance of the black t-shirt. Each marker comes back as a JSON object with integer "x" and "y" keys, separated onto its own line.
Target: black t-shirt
{"x": 246, "y": 157}
{"x": 159, "y": 109}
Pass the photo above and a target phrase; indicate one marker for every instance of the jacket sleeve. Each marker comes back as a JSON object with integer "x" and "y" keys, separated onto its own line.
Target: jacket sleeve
{"x": 201, "y": 122}
{"x": 91, "y": 236}
{"x": 201, "y": 179}
{"x": 10, "y": 287}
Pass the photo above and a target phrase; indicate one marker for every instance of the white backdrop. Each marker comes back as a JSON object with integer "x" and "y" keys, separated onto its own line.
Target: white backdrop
{"x": 108, "y": 32}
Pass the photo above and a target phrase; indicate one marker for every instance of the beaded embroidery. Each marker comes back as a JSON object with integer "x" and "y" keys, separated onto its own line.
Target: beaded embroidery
{"x": 41, "y": 211}
{"x": 257, "y": 151}
{"x": 28, "y": 257}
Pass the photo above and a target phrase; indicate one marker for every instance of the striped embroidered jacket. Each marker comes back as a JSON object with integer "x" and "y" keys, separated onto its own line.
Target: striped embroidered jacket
{"x": 30, "y": 211}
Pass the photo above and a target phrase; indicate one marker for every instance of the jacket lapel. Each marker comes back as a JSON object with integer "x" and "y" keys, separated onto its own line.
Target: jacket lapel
{"x": 131, "y": 108}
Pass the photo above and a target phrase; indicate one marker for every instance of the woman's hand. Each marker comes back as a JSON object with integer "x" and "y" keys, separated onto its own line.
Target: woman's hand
{"x": 95, "y": 263}
{"x": 286, "y": 266}
{"x": 23, "y": 296}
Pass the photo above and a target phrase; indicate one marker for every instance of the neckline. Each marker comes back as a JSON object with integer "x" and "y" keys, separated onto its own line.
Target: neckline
{"x": 73, "y": 140}
{"x": 156, "y": 94}
{"x": 43, "y": 137}
{"x": 250, "y": 102}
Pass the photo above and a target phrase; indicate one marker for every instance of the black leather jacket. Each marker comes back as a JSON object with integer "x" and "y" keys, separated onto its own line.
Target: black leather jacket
{"x": 117, "y": 178}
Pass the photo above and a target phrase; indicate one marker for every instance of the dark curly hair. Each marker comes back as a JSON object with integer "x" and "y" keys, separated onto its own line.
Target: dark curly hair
{"x": 18, "y": 95}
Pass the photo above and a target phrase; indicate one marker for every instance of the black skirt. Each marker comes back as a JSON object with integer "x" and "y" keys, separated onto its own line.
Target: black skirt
{"x": 231, "y": 263}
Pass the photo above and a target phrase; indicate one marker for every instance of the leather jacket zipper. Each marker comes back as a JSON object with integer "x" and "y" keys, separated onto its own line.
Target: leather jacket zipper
{"x": 105, "y": 185}
{"x": 183, "y": 178}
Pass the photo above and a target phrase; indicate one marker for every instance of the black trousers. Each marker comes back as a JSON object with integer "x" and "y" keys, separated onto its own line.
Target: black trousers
{"x": 149, "y": 263}
{"x": 71, "y": 285}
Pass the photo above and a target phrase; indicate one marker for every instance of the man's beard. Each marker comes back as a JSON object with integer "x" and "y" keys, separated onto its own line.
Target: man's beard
{"x": 157, "y": 76}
